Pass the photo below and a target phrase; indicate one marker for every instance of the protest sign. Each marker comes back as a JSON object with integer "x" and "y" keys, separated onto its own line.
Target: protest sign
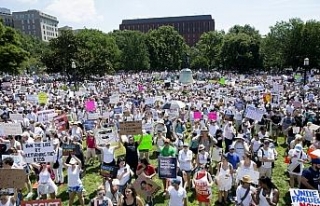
{"x": 61, "y": 122}
{"x": 114, "y": 99}
{"x": 17, "y": 117}
{"x": 117, "y": 110}
{"x": 12, "y": 178}
{"x": 167, "y": 167}
{"x": 68, "y": 149}
{"x": 213, "y": 116}
{"x": 108, "y": 171}
{"x": 254, "y": 113}
{"x": 10, "y": 129}
{"x": 197, "y": 115}
{"x": 43, "y": 98}
{"x": 55, "y": 202}
{"x": 46, "y": 115}
{"x": 146, "y": 187}
{"x": 105, "y": 135}
{"x": 314, "y": 127}
{"x": 146, "y": 142}
{"x": 304, "y": 197}
{"x": 130, "y": 128}
{"x": 32, "y": 98}
{"x": 38, "y": 152}
{"x": 90, "y": 105}
{"x": 93, "y": 115}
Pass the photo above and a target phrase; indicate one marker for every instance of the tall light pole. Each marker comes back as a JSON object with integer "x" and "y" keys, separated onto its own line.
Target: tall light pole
{"x": 305, "y": 64}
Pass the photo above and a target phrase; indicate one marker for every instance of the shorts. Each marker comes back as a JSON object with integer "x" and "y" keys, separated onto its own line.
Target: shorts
{"x": 76, "y": 189}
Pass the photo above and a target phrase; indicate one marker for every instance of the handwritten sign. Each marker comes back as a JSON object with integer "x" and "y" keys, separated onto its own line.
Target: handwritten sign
{"x": 10, "y": 129}
{"x": 12, "y": 178}
{"x": 38, "y": 152}
{"x": 105, "y": 135}
{"x": 167, "y": 167}
{"x": 55, "y": 202}
{"x": 301, "y": 197}
{"x": 68, "y": 149}
{"x": 254, "y": 113}
{"x": 108, "y": 171}
{"x": 130, "y": 128}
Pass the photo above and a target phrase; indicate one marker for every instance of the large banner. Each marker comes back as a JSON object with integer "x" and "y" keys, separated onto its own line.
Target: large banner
{"x": 38, "y": 152}
{"x": 301, "y": 197}
{"x": 167, "y": 167}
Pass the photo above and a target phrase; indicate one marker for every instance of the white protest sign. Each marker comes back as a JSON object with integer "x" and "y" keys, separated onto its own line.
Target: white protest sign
{"x": 149, "y": 100}
{"x": 32, "y": 98}
{"x": 39, "y": 152}
{"x": 10, "y": 129}
{"x": 46, "y": 115}
{"x": 105, "y": 135}
{"x": 314, "y": 127}
{"x": 254, "y": 113}
{"x": 114, "y": 99}
{"x": 17, "y": 117}
{"x": 93, "y": 115}
{"x": 302, "y": 197}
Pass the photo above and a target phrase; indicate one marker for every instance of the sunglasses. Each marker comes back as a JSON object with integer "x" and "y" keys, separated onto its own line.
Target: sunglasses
{"x": 102, "y": 193}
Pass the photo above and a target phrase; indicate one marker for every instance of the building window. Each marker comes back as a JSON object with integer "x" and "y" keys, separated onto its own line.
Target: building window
{"x": 44, "y": 32}
{"x": 32, "y": 15}
{"x": 45, "y": 38}
{"x": 22, "y": 22}
{"x": 29, "y": 32}
{"x": 33, "y": 21}
{"x": 28, "y": 26}
{"x": 34, "y": 26}
{"x": 43, "y": 27}
{"x": 22, "y": 27}
{"x": 34, "y": 32}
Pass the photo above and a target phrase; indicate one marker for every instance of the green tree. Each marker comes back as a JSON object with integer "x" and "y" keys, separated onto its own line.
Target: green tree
{"x": 208, "y": 50}
{"x": 166, "y": 48}
{"x": 11, "y": 53}
{"x": 134, "y": 52}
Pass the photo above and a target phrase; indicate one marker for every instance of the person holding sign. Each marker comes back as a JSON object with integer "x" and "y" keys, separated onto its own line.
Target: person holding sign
{"x": 108, "y": 157}
{"x": 74, "y": 182}
{"x": 297, "y": 158}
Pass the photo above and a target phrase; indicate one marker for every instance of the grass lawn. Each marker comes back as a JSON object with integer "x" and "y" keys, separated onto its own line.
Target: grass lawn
{"x": 92, "y": 180}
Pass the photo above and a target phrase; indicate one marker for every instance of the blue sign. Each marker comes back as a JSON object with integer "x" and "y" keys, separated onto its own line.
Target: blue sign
{"x": 167, "y": 167}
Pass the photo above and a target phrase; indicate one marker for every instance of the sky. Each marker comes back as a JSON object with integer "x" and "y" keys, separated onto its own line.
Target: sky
{"x": 106, "y": 15}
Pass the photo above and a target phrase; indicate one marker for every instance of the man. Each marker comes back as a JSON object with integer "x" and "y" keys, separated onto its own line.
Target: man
{"x": 310, "y": 176}
{"x": 266, "y": 157}
{"x": 245, "y": 192}
{"x": 177, "y": 194}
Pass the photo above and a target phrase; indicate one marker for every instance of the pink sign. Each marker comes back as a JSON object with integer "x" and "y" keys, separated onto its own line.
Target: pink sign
{"x": 90, "y": 105}
{"x": 197, "y": 115}
{"x": 140, "y": 88}
{"x": 213, "y": 116}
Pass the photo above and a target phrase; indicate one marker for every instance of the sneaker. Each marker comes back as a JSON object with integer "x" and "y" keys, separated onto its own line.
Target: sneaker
{"x": 29, "y": 195}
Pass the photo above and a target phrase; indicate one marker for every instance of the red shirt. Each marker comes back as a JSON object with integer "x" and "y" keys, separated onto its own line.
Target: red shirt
{"x": 91, "y": 142}
{"x": 149, "y": 170}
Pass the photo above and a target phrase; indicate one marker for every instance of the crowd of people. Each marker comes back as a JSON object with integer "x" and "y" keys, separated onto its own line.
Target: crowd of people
{"x": 205, "y": 125}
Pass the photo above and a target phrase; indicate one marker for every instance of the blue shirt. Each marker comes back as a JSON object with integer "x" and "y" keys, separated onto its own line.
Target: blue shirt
{"x": 234, "y": 159}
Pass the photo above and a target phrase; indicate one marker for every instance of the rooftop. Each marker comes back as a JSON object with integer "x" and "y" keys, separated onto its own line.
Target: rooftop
{"x": 167, "y": 19}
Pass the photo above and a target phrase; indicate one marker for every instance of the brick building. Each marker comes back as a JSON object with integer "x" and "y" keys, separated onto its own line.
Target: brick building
{"x": 190, "y": 27}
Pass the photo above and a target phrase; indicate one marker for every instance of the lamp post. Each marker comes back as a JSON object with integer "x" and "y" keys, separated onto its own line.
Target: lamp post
{"x": 305, "y": 64}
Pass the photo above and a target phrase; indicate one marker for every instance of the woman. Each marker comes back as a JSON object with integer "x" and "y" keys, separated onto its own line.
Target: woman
{"x": 246, "y": 166}
{"x": 6, "y": 200}
{"x": 203, "y": 182}
{"x": 112, "y": 190}
{"x": 57, "y": 165}
{"x": 224, "y": 179}
{"x": 130, "y": 197}
{"x": 101, "y": 199}
{"x": 108, "y": 157}
{"x": 297, "y": 157}
{"x": 123, "y": 173}
{"x": 267, "y": 193}
{"x": 308, "y": 134}
{"x": 74, "y": 182}
{"x": 203, "y": 156}
{"x": 145, "y": 169}
{"x": 45, "y": 183}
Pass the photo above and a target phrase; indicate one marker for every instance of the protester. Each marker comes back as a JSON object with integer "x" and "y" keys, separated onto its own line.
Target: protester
{"x": 130, "y": 197}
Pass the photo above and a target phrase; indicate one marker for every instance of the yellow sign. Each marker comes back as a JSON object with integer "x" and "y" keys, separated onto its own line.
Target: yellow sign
{"x": 42, "y": 98}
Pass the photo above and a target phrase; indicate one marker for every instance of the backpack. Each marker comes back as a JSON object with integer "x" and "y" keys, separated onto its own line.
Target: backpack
{"x": 258, "y": 162}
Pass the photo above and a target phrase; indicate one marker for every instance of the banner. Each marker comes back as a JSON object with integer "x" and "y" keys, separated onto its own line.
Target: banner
{"x": 302, "y": 197}
{"x": 12, "y": 178}
{"x": 254, "y": 113}
{"x": 108, "y": 171}
{"x": 167, "y": 167}
{"x": 145, "y": 187}
{"x": 146, "y": 142}
{"x": 10, "y": 129}
{"x": 130, "y": 128}
{"x": 38, "y": 152}
{"x": 55, "y": 202}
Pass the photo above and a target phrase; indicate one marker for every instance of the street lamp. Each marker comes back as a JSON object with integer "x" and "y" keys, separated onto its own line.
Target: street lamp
{"x": 305, "y": 64}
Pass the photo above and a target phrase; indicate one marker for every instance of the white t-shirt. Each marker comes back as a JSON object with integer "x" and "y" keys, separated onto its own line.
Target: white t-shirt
{"x": 108, "y": 154}
{"x": 240, "y": 193}
{"x": 126, "y": 177}
{"x": 177, "y": 196}
{"x": 266, "y": 153}
{"x": 185, "y": 159}
{"x": 74, "y": 177}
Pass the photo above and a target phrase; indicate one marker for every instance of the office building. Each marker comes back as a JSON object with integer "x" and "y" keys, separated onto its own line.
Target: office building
{"x": 6, "y": 17}
{"x": 36, "y": 23}
{"x": 190, "y": 27}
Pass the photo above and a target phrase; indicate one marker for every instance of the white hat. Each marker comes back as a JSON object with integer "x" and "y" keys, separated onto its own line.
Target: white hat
{"x": 72, "y": 161}
{"x": 115, "y": 182}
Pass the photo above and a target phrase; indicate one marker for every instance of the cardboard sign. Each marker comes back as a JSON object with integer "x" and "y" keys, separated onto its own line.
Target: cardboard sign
{"x": 146, "y": 187}
{"x": 38, "y": 152}
{"x": 55, "y": 202}
{"x": 10, "y": 129}
{"x": 68, "y": 149}
{"x": 12, "y": 178}
{"x": 108, "y": 171}
{"x": 302, "y": 197}
{"x": 61, "y": 122}
{"x": 254, "y": 113}
{"x": 167, "y": 167}
{"x": 130, "y": 128}
{"x": 146, "y": 142}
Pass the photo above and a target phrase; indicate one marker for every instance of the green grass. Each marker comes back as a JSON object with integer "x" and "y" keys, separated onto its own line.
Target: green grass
{"x": 92, "y": 181}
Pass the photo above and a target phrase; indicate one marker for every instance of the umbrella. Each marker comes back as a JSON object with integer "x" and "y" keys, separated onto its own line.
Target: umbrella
{"x": 174, "y": 105}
